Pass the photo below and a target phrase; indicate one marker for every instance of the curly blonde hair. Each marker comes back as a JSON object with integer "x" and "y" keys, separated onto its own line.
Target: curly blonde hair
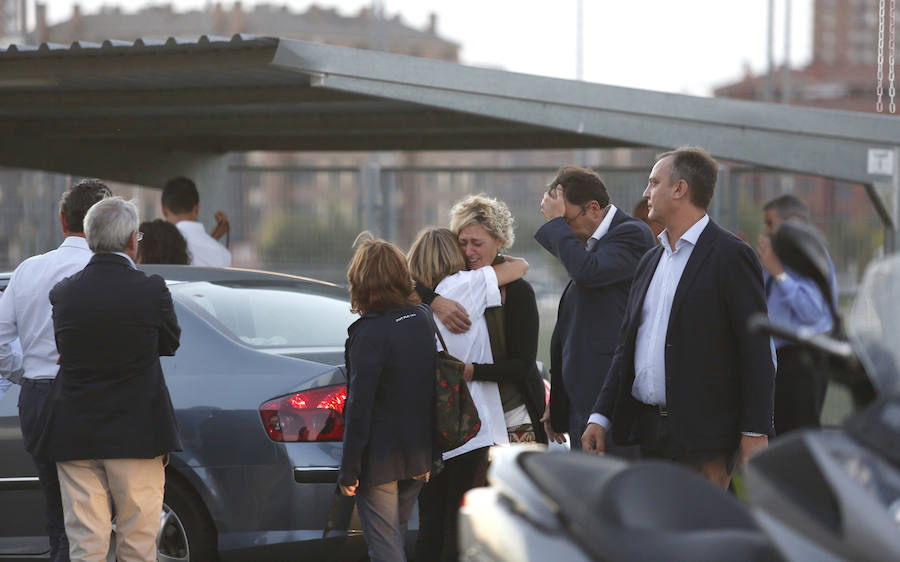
{"x": 491, "y": 214}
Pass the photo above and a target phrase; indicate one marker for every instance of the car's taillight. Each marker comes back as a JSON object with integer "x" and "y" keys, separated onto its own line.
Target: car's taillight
{"x": 311, "y": 415}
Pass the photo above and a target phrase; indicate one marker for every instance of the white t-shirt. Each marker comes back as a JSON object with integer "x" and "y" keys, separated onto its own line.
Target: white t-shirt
{"x": 203, "y": 248}
{"x": 475, "y": 291}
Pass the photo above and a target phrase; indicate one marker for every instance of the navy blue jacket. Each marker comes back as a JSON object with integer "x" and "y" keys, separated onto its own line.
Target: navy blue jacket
{"x": 388, "y": 418}
{"x": 719, "y": 376}
{"x": 110, "y": 400}
{"x": 590, "y": 309}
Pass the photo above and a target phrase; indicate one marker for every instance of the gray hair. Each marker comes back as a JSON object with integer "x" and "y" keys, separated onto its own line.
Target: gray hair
{"x": 109, "y": 223}
{"x": 788, "y": 207}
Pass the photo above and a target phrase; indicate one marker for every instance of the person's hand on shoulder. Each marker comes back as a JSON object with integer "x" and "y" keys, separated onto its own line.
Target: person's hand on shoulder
{"x": 451, "y": 314}
{"x": 222, "y": 225}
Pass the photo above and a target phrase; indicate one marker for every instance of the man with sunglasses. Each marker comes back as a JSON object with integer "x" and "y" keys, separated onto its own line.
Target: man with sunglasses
{"x": 600, "y": 246}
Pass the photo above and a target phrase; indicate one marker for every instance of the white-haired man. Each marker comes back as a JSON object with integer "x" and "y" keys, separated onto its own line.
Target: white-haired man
{"x": 109, "y": 422}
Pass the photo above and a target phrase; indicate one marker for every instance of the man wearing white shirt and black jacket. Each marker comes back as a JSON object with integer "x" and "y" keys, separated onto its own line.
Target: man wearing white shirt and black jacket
{"x": 25, "y": 314}
{"x": 181, "y": 207}
{"x": 689, "y": 382}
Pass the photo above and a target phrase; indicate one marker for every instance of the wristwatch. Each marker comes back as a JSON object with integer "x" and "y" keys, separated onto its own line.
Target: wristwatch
{"x": 781, "y": 277}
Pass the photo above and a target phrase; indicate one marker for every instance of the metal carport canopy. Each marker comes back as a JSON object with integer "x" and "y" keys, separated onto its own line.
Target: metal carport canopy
{"x": 141, "y": 111}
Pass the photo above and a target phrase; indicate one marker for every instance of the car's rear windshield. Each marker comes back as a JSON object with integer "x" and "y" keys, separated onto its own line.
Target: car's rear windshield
{"x": 267, "y": 314}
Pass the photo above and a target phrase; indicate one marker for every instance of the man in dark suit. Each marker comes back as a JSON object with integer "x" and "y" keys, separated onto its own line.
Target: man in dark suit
{"x": 109, "y": 423}
{"x": 599, "y": 245}
{"x": 689, "y": 381}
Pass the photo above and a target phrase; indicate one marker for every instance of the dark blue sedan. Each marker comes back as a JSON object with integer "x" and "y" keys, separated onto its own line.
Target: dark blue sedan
{"x": 259, "y": 389}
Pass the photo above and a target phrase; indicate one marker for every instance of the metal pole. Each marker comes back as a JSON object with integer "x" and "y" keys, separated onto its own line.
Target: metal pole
{"x": 786, "y": 76}
{"x": 388, "y": 181}
{"x": 580, "y": 154}
{"x": 893, "y": 236}
{"x": 770, "y": 53}
{"x": 579, "y": 40}
{"x": 734, "y": 200}
{"x": 723, "y": 178}
{"x": 371, "y": 189}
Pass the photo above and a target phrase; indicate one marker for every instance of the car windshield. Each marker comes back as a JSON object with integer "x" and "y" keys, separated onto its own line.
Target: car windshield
{"x": 265, "y": 314}
{"x": 874, "y": 327}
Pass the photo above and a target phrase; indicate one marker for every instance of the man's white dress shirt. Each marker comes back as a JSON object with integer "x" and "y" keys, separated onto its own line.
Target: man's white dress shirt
{"x": 475, "y": 291}
{"x": 650, "y": 346}
{"x": 25, "y": 310}
{"x": 203, "y": 248}
{"x": 603, "y": 228}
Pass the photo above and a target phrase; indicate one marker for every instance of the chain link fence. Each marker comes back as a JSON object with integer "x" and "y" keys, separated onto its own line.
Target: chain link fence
{"x": 303, "y": 220}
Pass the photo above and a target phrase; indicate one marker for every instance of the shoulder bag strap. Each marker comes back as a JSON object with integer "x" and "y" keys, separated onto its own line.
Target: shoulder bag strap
{"x": 437, "y": 332}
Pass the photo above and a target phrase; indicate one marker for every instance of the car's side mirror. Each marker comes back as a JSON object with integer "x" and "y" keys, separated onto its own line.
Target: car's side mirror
{"x": 801, "y": 247}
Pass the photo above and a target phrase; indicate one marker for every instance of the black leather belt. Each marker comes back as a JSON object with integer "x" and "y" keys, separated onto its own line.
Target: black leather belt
{"x": 657, "y": 409}
{"x": 37, "y": 381}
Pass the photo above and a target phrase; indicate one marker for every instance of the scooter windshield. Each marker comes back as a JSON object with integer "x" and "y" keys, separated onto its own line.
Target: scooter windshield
{"x": 874, "y": 328}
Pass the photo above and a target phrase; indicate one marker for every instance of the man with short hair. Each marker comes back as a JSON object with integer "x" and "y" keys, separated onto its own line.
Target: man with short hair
{"x": 689, "y": 381}
{"x": 795, "y": 302}
{"x": 600, "y": 246}
{"x": 181, "y": 207}
{"x": 109, "y": 422}
{"x": 25, "y": 315}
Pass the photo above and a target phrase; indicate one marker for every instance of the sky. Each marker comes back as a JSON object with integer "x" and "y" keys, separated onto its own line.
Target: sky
{"x": 682, "y": 46}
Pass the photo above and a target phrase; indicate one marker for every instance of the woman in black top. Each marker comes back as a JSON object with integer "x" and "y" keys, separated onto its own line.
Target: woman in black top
{"x": 484, "y": 226}
{"x": 388, "y": 418}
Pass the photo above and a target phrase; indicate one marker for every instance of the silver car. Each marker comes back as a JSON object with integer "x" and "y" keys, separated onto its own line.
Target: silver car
{"x": 258, "y": 388}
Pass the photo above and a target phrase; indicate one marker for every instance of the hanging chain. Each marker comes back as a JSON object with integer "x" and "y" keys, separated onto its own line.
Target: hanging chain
{"x": 891, "y": 91}
{"x": 879, "y": 72}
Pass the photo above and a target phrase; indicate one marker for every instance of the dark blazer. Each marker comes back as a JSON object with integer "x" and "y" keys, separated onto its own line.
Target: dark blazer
{"x": 719, "y": 376}
{"x": 388, "y": 418}
{"x": 110, "y": 400}
{"x": 590, "y": 309}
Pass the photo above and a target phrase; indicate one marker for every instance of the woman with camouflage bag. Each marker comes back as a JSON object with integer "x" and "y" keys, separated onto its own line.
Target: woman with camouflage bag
{"x": 436, "y": 262}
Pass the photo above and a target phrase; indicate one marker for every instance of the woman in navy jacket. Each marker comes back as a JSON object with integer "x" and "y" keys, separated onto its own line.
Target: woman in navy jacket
{"x": 388, "y": 434}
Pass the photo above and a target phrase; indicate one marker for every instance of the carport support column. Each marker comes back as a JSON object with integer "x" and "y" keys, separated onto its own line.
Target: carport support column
{"x": 210, "y": 175}
{"x": 388, "y": 181}
{"x": 723, "y": 178}
{"x": 371, "y": 191}
{"x": 890, "y": 210}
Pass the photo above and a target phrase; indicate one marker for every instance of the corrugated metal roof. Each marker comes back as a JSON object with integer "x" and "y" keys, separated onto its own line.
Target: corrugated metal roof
{"x": 68, "y": 108}
{"x": 139, "y": 46}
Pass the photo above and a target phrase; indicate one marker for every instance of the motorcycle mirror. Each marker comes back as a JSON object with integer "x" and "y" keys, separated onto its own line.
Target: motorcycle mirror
{"x": 801, "y": 247}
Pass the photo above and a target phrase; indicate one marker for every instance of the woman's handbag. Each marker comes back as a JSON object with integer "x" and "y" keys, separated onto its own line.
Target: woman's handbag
{"x": 456, "y": 419}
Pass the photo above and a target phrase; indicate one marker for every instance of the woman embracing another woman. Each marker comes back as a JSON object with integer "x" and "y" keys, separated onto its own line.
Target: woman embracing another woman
{"x": 437, "y": 263}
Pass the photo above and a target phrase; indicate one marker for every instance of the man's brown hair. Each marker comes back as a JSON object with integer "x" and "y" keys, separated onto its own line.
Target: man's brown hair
{"x": 580, "y": 186}
{"x": 696, "y": 167}
{"x": 76, "y": 201}
{"x": 379, "y": 277}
